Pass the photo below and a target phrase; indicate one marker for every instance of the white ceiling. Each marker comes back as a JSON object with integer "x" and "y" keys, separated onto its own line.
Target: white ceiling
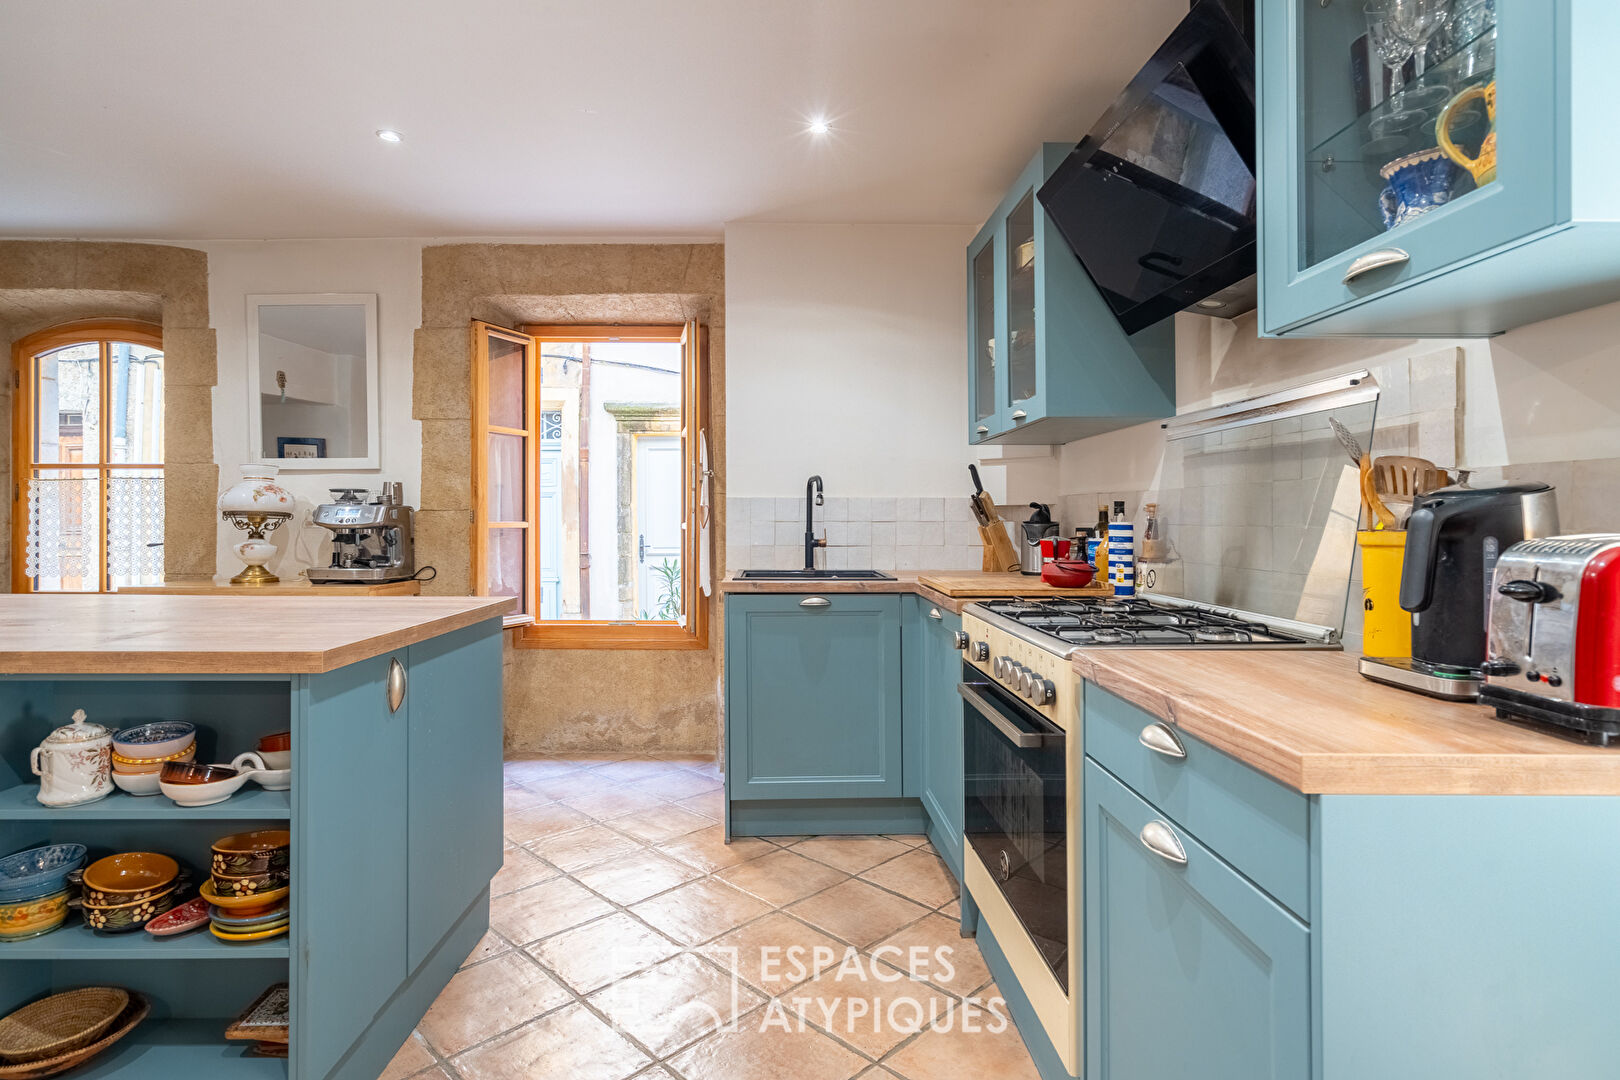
{"x": 181, "y": 119}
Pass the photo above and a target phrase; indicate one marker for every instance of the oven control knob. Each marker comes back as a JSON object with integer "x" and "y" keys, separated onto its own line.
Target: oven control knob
{"x": 1004, "y": 865}
{"x": 1044, "y": 692}
{"x": 998, "y": 666}
{"x": 1026, "y": 681}
{"x": 960, "y": 639}
{"x": 981, "y": 651}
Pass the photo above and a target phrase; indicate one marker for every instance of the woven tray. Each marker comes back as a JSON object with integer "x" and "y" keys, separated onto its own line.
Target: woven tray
{"x": 59, "y": 1024}
{"x": 132, "y": 1015}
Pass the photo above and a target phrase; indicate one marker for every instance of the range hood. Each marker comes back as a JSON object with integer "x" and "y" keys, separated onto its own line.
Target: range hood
{"x": 1158, "y": 201}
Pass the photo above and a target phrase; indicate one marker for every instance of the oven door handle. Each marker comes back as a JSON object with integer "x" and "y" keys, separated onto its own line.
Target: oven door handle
{"x": 1019, "y": 737}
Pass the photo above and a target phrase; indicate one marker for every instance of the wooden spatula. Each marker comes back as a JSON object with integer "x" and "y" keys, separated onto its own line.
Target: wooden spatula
{"x": 1399, "y": 480}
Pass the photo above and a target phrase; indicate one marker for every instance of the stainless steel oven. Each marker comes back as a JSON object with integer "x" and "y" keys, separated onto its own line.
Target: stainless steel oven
{"x": 1016, "y": 816}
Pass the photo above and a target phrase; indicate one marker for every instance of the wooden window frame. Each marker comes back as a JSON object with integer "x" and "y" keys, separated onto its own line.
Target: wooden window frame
{"x": 23, "y": 417}
{"x": 530, "y": 632}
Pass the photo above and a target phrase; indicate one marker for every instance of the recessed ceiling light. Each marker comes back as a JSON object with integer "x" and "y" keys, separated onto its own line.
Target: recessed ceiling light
{"x": 389, "y": 135}
{"x": 818, "y": 126}
{"x": 1212, "y": 303}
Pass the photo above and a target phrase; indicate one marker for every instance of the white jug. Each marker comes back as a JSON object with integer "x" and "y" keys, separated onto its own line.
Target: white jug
{"x": 74, "y": 763}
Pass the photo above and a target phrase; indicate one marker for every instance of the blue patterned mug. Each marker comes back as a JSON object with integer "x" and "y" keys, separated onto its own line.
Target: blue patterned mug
{"x": 1418, "y": 183}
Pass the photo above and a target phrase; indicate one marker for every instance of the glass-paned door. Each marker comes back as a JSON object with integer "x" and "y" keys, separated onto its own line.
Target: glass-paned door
{"x": 1021, "y": 344}
{"x": 92, "y": 484}
{"x": 504, "y": 496}
{"x": 984, "y": 334}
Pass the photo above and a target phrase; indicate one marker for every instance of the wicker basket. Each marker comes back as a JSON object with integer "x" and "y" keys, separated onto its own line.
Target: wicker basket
{"x": 127, "y": 1021}
{"x": 60, "y": 1023}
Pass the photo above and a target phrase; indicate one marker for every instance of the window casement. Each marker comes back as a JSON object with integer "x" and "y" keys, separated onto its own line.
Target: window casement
{"x": 87, "y": 457}
{"x": 588, "y": 482}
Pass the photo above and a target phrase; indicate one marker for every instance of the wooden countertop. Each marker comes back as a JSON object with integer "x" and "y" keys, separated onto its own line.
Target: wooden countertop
{"x": 295, "y": 586}
{"x": 953, "y": 589}
{"x": 1311, "y": 721}
{"x": 113, "y": 634}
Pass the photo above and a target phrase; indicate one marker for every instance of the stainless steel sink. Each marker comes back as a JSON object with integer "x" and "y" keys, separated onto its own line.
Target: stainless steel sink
{"x": 813, "y": 575}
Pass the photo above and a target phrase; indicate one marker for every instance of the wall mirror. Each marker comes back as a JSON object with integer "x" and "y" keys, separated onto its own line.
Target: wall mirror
{"x": 312, "y": 380}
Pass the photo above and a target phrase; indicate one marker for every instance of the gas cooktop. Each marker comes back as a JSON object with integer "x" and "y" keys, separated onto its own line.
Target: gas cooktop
{"x": 1061, "y": 625}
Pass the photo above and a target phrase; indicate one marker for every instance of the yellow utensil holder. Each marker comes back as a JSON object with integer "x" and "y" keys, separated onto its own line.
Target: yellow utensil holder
{"x": 1386, "y": 627}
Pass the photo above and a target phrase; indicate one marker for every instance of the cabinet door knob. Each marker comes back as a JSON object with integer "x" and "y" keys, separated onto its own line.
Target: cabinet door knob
{"x": 1161, "y": 740}
{"x": 933, "y": 613}
{"x": 396, "y": 684}
{"x": 1160, "y": 839}
{"x": 1019, "y": 414}
{"x": 1375, "y": 260}
{"x": 815, "y": 601}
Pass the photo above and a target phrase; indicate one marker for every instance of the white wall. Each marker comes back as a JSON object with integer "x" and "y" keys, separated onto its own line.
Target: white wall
{"x": 845, "y": 356}
{"x": 390, "y": 268}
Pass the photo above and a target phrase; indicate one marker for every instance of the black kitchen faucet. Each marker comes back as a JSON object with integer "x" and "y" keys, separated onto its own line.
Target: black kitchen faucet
{"x": 812, "y": 499}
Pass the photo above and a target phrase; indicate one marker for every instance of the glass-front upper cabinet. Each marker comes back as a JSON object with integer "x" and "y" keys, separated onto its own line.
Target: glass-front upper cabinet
{"x": 1022, "y": 378}
{"x": 1411, "y": 148}
{"x": 982, "y": 334}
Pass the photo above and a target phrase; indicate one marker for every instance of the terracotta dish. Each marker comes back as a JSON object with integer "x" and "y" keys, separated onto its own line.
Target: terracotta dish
{"x": 259, "y": 852}
{"x": 190, "y": 772}
{"x": 60, "y": 1023}
{"x": 188, "y": 916}
{"x": 133, "y": 875}
{"x": 244, "y": 905}
{"x": 280, "y": 740}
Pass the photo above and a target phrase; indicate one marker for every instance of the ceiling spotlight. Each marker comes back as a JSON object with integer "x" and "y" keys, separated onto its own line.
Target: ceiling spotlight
{"x": 1212, "y": 304}
{"x": 389, "y": 135}
{"x": 818, "y": 126}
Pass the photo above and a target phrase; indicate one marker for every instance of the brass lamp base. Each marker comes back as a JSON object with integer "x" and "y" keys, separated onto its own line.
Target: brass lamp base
{"x": 255, "y": 575}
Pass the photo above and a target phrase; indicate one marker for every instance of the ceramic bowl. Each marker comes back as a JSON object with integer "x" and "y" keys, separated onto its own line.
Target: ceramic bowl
{"x": 244, "y": 905}
{"x": 191, "y": 772}
{"x": 123, "y": 918}
{"x": 248, "y": 884}
{"x": 157, "y": 740}
{"x": 262, "y": 851}
{"x": 276, "y": 759}
{"x": 127, "y": 878}
{"x": 22, "y": 919}
{"x": 39, "y": 871}
{"x": 255, "y": 935}
{"x": 273, "y": 779}
{"x": 280, "y": 740}
{"x": 155, "y": 765}
{"x": 203, "y": 794}
{"x": 146, "y": 783}
{"x": 237, "y": 923}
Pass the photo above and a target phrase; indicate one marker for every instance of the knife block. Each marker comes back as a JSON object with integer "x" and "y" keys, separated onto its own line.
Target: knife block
{"x": 999, "y": 554}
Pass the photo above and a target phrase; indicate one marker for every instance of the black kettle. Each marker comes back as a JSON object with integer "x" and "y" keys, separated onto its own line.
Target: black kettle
{"x": 1453, "y": 539}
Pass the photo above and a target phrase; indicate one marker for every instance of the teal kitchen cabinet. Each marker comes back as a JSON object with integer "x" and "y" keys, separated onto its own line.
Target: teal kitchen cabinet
{"x": 1047, "y": 361}
{"x": 813, "y": 698}
{"x": 1537, "y": 239}
{"x": 1191, "y": 970}
{"x": 933, "y": 723}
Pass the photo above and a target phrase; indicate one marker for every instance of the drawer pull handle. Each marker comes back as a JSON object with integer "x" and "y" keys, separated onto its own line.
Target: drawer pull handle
{"x": 933, "y": 613}
{"x": 396, "y": 684}
{"x": 982, "y": 430}
{"x": 1375, "y": 260}
{"x": 1019, "y": 414}
{"x": 1160, "y": 839}
{"x": 815, "y": 601}
{"x": 1161, "y": 740}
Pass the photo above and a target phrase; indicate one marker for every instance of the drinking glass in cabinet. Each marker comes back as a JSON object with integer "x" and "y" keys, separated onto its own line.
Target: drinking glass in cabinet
{"x": 1397, "y": 118}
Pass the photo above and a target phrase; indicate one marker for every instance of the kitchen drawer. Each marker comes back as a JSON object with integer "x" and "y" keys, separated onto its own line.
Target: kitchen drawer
{"x": 1249, "y": 819}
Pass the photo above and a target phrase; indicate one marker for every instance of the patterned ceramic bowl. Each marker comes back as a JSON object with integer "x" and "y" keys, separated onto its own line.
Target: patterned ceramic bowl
{"x": 122, "y": 918}
{"x": 153, "y": 765}
{"x": 37, "y": 872}
{"x": 31, "y": 918}
{"x": 128, "y": 878}
{"x": 157, "y": 740}
{"x": 249, "y": 884}
{"x": 263, "y": 851}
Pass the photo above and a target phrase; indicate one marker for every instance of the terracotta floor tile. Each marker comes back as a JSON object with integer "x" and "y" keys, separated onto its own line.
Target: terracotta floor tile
{"x": 573, "y": 851}
{"x": 918, "y": 875}
{"x": 547, "y": 819}
{"x": 661, "y": 823}
{"x": 435, "y": 1073}
{"x": 680, "y": 784}
{"x": 544, "y": 909}
{"x": 518, "y": 797}
{"x": 776, "y": 953}
{"x": 519, "y": 870}
{"x": 527, "y": 769}
{"x": 636, "y": 768}
{"x": 965, "y": 1046}
{"x": 707, "y": 849}
{"x": 589, "y": 957}
{"x": 580, "y": 782}
{"x": 636, "y": 876}
{"x": 909, "y": 839}
{"x": 711, "y": 804}
{"x": 877, "y": 1072}
{"x": 953, "y": 910}
{"x": 412, "y": 1058}
{"x": 491, "y": 944}
{"x": 606, "y": 801}
{"x": 781, "y": 877}
{"x": 871, "y": 1007}
{"x": 773, "y": 1054}
{"x": 674, "y": 1003}
{"x": 786, "y": 841}
{"x": 592, "y": 759}
{"x": 932, "y": 949}
{"x": 657, "y": 1072}
{"x": 859, "y": 913}
{"x": 485, "y": 1000}
{"x": 851, "y": 854}
{"x": 698, "y": 912}
{"x": 569, "y": 1044}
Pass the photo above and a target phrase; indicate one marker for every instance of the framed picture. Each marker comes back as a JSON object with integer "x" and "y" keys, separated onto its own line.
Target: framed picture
{"x": 299, "y": 446}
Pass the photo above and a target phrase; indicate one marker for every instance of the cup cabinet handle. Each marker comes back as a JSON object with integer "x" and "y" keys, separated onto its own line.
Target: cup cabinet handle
{"x": 815, "y": 601}
{"x": 933, "y": 613}
{"x": 1161, "y": 740}
{"x": 1375, "y": 260}
{"x": 396, "y": 684}
{"x": 1019, "y": 414}
{"x": 1160, "y": 839}
{"x": 982, "y": 430}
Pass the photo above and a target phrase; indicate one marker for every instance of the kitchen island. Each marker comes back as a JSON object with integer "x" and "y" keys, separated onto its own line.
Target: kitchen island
{"x": 394, "y": 705}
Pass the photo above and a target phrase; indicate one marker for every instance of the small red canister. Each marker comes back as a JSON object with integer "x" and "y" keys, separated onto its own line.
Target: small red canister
{"x": 1054, "y": 547}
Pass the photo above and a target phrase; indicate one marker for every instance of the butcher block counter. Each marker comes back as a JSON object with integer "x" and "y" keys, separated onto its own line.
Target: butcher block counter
{"x": 219, "y": 635}
{"x": 1308, "y": 719}
{"x": 951, "y": 589}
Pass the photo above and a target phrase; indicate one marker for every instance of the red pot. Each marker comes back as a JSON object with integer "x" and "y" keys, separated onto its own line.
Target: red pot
{"x": 1068, "y": 574}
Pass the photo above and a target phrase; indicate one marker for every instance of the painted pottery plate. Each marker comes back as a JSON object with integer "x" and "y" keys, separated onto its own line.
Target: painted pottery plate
{"x": 188, "y": 916}
{"x": 253, "y": 935}
{"x": 248, "y": 904}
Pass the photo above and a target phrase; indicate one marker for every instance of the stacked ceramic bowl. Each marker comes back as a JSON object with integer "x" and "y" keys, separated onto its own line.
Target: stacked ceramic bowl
{"x": 125, "y": 892}
{"x": 34, "y": 889}
{"x": 139, "y": 753}
{"x": 249, "y": 885}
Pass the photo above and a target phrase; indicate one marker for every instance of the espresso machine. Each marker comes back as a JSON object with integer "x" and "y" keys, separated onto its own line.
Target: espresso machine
{"x": 372, "y": 542}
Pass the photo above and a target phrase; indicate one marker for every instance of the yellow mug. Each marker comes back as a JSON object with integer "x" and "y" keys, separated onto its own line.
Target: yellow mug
{"x": 1483, "y": 167}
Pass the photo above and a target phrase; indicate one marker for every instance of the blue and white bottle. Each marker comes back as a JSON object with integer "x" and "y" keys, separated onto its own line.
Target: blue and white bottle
{"x": 1121, "y": 553}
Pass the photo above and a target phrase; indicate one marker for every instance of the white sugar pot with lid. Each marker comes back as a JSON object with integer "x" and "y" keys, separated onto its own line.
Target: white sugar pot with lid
{"x": 74, "y": 763}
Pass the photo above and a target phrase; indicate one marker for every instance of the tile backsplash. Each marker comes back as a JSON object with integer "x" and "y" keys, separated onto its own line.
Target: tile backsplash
{"x": 861, "y": 534}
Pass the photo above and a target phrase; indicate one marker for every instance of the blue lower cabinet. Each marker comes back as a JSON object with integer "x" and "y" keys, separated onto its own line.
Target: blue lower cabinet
{"x": 942, "y": 734}
{"x": 1190, "y": 969}
{"x": 813, "y": 697}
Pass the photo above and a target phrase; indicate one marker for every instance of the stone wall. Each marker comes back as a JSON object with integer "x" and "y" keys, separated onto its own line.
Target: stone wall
{"x": 46, "y": 282}
{"x": 568, "y": 699}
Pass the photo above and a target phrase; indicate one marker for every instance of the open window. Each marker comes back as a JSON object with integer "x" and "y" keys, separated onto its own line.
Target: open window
{"x": 589, "y": 482}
